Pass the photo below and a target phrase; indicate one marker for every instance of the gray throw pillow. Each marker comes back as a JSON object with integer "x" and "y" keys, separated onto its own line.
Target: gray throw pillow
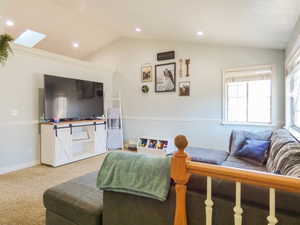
{"x": 238, "y": 137}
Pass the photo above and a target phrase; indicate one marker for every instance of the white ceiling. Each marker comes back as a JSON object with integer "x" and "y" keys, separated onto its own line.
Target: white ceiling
{"x": 95, "y": 23}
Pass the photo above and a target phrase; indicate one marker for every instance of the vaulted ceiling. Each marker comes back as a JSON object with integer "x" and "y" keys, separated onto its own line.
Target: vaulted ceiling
{"x": 96, "y": 23}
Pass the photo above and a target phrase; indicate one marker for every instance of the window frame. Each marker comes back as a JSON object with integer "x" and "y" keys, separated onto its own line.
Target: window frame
{"x": 225, "y": 120}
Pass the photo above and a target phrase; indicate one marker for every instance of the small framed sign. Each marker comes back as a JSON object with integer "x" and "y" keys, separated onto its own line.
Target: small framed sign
{"x": 165, "y": 55}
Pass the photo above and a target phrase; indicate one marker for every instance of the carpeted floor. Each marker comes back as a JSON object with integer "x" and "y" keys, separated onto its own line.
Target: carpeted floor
{"x": 21, "y": 192}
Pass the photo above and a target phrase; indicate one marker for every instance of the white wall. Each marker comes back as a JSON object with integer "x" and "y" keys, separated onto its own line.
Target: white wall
{"x": 167, "y": 114}
{"x": 294, "y": 39}
{"x": 21, "y": 81}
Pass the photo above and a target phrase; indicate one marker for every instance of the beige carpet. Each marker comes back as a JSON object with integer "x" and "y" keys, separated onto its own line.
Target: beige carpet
{"x": 21, "y": 192}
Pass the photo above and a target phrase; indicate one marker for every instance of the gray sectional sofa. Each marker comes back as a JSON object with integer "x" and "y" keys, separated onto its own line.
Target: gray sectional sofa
{"x": 79, "y": 202}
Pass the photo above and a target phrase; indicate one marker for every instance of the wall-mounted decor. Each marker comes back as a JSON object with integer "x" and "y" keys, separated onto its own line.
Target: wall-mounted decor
{"x": 184, "y": 88}
{"x": 180, "y": 68}
{"x": 165, "y": 77}
{"x": 145, "y": 89}
{"x": 146, "y": 73}
{"x": 5, "y": 48}
{"x": 187, "y": 63}
{"x": 165, "y": 55}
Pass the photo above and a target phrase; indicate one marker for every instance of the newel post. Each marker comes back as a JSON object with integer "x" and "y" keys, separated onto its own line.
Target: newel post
{"x": 180, "y": 176}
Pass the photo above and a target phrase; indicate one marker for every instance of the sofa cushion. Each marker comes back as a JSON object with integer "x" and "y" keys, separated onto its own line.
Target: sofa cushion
{"x": 238, "y": 137}
{"x": 279, "y": 139}
{"x": 233, "y": 161}
{"x": 78, "y": 200}
{"x": 205, "y": 155}
{"x": 253, "y": 151}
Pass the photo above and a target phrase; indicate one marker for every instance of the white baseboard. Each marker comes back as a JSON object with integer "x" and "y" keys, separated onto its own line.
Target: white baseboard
{"x": 9, "y": 169}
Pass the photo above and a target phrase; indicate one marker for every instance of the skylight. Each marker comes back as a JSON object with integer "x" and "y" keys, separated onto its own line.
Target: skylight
{"x": 30, "y": 38}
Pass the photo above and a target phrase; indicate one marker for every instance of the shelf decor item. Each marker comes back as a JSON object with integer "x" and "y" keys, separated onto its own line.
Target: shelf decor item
{"x": 145, "y": 89}
{"x": 184, "y": 88}
{"x": 165, "y": 77}
{"x": 5, "y": 48}
{"x": 146, "y": 73}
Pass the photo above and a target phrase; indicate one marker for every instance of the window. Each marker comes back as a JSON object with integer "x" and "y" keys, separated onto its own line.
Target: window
{"x": 30, "y": 38}
{"x": 247, "y": 95}
{"x": 293, "y": 99}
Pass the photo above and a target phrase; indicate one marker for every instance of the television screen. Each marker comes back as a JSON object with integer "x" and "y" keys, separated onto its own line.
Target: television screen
{"x": 67, "y": 98}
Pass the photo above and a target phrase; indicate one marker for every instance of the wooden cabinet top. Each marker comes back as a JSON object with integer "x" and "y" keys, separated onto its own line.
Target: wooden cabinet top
{"x": 74, "y": 122}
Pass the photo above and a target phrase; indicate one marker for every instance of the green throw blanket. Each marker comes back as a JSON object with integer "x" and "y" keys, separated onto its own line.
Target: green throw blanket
{"x": 137, "y": 174}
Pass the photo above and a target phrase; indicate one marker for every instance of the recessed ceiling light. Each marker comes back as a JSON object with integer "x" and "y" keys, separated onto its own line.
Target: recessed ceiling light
{"x": 9, "y": 23}
{"x": 30, "y": 38}
{"x": 200, "y": 33}
{"x": 75, "y": 44}
{"x": 138, "y": 29}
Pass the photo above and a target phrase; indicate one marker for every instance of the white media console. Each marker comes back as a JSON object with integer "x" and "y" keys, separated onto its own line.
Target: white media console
{"x": 66, "y": 142}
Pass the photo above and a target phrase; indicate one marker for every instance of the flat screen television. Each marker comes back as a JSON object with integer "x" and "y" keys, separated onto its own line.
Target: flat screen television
{"x": 72, "y": 99}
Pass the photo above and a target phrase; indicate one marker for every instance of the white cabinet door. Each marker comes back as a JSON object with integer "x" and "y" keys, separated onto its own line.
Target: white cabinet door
{"x": 100, "y": 139}
{"x": 63, "y": 147}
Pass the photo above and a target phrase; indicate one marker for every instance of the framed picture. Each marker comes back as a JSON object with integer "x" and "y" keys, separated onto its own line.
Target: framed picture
{"x": 184, "y": 88}
{"x": 165, "y": 77}
{"x": 146, "y": 73}
{"x": 162, "y": 144}
{"x": 143, "y": 142}
{"x": 152, "y": 144}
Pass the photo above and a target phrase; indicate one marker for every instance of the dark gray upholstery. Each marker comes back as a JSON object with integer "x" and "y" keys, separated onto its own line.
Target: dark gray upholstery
{"x": 206, "y": 155}
{"x": 78, "y": 201}
{"x": 233, "y": 161}
{"x": 127, "y": 209}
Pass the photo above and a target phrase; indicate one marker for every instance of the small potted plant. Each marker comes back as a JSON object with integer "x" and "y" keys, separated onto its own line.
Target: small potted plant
{"x": 5, "y": 48}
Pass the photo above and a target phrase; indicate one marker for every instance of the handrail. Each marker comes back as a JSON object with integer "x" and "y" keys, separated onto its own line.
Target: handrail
{"x": 182, "y": 168}
{"x": 290, "y": 184}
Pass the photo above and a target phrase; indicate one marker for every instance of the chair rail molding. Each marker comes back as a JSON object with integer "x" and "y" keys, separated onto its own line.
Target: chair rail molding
{"x": 197, "y": 119}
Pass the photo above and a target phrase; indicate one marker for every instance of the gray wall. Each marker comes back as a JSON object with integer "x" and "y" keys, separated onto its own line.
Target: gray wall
{"x": 167, "y": 114}
{"x": 21, "y": 83}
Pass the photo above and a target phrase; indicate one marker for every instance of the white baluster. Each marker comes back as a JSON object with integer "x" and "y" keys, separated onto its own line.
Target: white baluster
{"x": 272, "y": 218}
{"x": 238, "y": 211}
{"x": 209, "y": 203}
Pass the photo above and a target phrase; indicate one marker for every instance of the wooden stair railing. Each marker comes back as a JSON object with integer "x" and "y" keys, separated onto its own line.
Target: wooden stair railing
{"x": 182, "y": 168}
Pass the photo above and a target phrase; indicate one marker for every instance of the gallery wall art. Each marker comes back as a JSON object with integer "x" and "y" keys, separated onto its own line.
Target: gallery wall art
{"x": 165, "y": 75}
